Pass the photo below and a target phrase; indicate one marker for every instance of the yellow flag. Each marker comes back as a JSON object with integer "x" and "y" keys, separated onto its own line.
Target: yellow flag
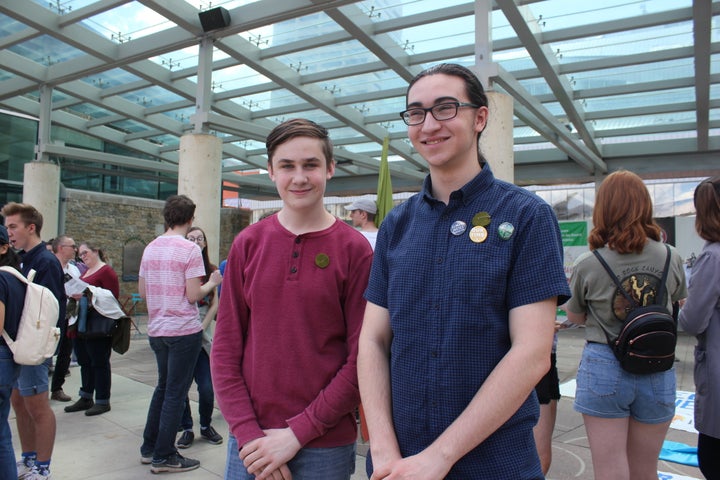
{"x": 384, "y": 189}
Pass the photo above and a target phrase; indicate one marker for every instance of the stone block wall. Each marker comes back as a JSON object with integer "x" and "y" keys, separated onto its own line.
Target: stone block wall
{"x": 122, "y": 225}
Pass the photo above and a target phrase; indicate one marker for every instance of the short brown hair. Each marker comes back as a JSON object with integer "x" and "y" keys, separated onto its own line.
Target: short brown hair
{"x": 623, "y": 214}
{"x": 55, "y": 242}
{"x": 707, "y": 209}
{"x": 299, "y": 127}
{"x": 178, "y": 210}
{"x": 28, "y": 214}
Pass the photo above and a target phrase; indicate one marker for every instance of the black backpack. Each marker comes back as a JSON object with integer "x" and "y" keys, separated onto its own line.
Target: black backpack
{"x": 646, "y": 343}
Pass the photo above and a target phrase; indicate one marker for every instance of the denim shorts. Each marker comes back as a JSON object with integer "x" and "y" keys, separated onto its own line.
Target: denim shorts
{"x": 33, "y": 379}
{"x": 605, "y": 390}
{"x": 334, "y": 463}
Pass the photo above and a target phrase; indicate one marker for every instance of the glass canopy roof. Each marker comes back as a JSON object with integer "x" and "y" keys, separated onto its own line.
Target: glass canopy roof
{"x": 596, "y": 86}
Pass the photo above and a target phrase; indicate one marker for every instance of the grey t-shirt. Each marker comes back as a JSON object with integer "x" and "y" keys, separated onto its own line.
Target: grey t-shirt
{"x": 594, "y": 293}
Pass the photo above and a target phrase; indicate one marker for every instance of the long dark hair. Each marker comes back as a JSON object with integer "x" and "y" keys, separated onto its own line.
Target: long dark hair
{"x": 707, "y": 208}
{"x": 209, "y": 267}
{"x": 10, "y": 258}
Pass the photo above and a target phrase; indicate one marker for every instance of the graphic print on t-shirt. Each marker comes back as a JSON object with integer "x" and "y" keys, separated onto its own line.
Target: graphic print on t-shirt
{"x": 641, "y": 287}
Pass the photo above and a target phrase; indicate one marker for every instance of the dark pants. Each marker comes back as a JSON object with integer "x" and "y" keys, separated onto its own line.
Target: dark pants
{"x": 62, "y": 365}
{"x": 173, "y": 355}
{"x": 93, "y": 355}
{"x": 205, "y": 393}
{"x": 708, "y": 449}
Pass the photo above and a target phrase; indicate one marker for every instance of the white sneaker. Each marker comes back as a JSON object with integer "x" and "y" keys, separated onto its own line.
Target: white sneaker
{"x": 23, "y": 470}
{"x": 36, "y": 475}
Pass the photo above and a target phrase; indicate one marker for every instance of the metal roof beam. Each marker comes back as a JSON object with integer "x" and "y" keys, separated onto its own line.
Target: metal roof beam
{"x": 702, "y": 19}
{"x": 527, "y": 29}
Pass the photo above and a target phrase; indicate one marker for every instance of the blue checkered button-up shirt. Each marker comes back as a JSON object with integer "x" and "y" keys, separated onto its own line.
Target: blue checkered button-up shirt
{"x": 449, "y": 299}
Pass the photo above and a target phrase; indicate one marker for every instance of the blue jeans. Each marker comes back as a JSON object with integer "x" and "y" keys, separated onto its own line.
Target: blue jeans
{"x": 605, "y": 390}
{"x": 336, "y": 463}
{"x": 173, "y": 354}
{"x": 33, "y": 379}
{"x": 9, "y": 371}
{"x": 93, "y": 355}
{"x": 206, "y": 394}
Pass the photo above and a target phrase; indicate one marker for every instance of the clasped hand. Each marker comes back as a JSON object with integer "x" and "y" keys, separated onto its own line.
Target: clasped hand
{"x": 267, "y": 457}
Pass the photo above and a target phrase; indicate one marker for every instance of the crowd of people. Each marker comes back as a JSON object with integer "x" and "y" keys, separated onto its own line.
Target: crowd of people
{"x": 317, "y": 316}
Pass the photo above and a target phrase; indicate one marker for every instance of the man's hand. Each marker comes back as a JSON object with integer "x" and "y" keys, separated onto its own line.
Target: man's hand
{"x": 417, "y": 467}
{"x": 267, "y": 457}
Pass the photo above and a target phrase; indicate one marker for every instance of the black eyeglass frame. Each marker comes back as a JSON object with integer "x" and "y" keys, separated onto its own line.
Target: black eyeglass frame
{"x": 435, "y": 108}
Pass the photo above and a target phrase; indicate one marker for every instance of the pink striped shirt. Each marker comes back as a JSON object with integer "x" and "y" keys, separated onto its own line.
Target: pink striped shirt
{"x": 167, "y": 262}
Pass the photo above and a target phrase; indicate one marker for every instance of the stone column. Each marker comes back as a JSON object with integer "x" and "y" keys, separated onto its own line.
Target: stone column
{"x": 41, "y": 189}
{"x": 496, "y": 142}
{"x": 199, "y": 177}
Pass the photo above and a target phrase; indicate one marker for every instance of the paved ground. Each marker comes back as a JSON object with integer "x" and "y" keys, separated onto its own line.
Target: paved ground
{"x": 107, "y": 446}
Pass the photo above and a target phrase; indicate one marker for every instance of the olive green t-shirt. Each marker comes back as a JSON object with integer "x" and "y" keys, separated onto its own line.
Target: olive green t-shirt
{"x": 594, "y": 293}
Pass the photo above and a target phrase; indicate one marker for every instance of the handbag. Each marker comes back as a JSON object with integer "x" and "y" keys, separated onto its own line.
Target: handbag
{"x": 121, "y": 336}
{"x": 95, "y": 325}
{"x": 91, "y": 323}
{"x": 646, "y": 343}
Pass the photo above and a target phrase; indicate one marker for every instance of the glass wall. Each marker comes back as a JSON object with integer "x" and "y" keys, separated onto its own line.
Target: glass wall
{"x": 17, "y": 147}
{"x": 671, "y": 198}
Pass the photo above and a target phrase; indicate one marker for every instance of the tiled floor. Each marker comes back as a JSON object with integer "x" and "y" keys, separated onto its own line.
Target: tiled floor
{"x": 107, "y": 446}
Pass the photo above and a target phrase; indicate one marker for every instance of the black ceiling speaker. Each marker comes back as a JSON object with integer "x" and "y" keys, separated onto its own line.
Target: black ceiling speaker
{"x": 214, "y": 19}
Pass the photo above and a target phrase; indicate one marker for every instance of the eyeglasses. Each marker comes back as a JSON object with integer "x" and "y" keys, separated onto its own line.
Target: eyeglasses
{"x": 198, "y": 239}
{"x": 440, "y": 112}
{"x": 74, "y": 247}
{"x": 83, "y": 253}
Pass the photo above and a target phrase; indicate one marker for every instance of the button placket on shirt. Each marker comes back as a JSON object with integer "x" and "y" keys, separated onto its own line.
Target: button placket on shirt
{"x": 295, "y": 255}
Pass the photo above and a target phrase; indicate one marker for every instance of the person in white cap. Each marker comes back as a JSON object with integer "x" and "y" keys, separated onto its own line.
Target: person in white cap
{"x": 362, "y": 214}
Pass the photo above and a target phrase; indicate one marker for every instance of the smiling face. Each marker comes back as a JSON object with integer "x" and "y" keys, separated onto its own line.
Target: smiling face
{"x": 445, "y": 144}
{"x": 300, "y": 172}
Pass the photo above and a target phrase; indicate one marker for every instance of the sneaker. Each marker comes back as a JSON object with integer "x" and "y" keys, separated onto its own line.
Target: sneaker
{"x": 97, "y": 409}
{"x": 174, "y": 463}
{"x": 60, "y": 396}
{"x": 36, "y": 475}
{"x": 80, "y": 405}
{"x": 186, "y": 439}
{"x": 146, "y": 459}
{"x": 211, "y": 435}
{"x": 24, "y": 471}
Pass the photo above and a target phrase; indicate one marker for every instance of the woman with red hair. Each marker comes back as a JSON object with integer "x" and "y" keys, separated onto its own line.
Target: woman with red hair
{"x": 626, "y": 415}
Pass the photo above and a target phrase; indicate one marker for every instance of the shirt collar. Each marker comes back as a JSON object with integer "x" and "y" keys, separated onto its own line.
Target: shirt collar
{"x": 481, "y": 182}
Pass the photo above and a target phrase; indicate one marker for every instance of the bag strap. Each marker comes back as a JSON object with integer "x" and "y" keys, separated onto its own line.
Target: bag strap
{"x": 661, "y": 287}
{"x": 12, "y": 271}
{"x": 632, "y": 301}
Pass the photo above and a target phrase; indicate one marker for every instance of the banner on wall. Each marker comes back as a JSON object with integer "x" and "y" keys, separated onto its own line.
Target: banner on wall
{"x": 574, "y": 240}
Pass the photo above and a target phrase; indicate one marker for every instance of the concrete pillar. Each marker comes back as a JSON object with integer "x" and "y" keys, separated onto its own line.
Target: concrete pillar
{"x": 199, "y": 177}
{"x": 496, "y": 142}
{"x": 41, "y": 189}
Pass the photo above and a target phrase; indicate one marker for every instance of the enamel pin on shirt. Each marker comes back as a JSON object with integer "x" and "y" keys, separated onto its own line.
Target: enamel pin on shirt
{"x": 481, "y": 219}
{"x": 505, "y": 230}
{"x": 322, "y": 260}
{"x": 478, "y": 234}
{"x": 458, "y": 227}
